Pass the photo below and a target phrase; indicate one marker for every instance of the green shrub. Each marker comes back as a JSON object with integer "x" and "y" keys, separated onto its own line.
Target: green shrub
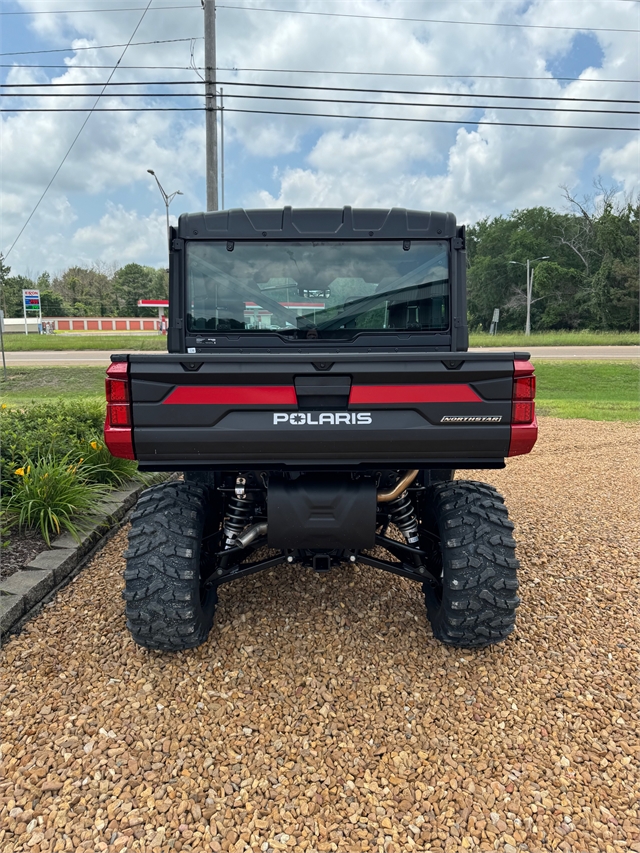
{"x": 52, "y": 496}
{"x": 50, "y": 430}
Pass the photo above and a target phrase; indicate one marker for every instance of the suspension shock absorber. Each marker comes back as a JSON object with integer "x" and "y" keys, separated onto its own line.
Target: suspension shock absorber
{"x": 239, "y": 513}
{"x": 403, "y": 515}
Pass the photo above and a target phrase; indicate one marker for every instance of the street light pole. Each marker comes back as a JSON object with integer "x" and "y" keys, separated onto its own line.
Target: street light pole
{"x": 166, "y": 198}
{"x": 527, "y": 327}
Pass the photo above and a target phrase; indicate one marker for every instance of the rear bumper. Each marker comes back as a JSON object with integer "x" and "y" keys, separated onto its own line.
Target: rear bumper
{"x": 248, "y": 464}
{"x": 251, "y": 440}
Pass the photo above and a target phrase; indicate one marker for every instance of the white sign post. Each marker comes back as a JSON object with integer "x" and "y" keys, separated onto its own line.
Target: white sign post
{"x": 4, "y": 362}
{"x": 31, "y": 304}
{"x": 494, "y": 322}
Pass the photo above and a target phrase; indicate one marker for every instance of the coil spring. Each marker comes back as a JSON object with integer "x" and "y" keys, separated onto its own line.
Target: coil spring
{"x": 239, "y": 513}
{"x": 403, "y": 515}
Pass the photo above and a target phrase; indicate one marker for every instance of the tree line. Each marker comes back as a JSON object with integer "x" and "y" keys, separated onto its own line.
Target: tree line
{"x": 97, "y": 291}
{"x": 589, "y": 279}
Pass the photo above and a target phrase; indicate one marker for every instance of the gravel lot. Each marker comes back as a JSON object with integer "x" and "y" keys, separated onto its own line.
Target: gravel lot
{"x": 322, "y": 716}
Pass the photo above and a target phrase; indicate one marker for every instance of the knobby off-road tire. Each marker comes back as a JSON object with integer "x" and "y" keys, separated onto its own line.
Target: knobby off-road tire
{"x": 165, "y": 605}
{"x": 476, "y": 605}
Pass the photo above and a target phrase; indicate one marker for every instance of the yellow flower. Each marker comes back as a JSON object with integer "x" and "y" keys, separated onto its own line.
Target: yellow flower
{"x": 19, "y": 472}
{"x": 96, "y": 446}
{"x": 4, "y": 406}
{"x": 81, "y": 460}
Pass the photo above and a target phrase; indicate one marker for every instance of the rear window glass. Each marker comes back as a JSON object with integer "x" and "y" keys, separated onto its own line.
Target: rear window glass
{"x": 319, "y": 289}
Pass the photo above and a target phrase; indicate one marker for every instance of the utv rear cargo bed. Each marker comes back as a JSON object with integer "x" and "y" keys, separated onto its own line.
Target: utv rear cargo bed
{"x": 385, "y": 409}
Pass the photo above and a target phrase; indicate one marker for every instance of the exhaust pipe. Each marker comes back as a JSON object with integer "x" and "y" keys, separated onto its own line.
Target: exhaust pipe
{"x": 250, "y": 534}
{"x": 400, "y": 486}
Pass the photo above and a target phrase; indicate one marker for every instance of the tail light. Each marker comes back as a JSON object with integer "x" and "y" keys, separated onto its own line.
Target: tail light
{"x": 524, "y": 426}
{"x": 117, "y": 427}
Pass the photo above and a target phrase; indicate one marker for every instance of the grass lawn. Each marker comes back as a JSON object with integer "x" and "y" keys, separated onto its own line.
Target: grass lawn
{"x": 597, "y": 390}
{"x": 87, "y": 341}
{"x": 26, "y": 385}
{"x": 555, "y": 339}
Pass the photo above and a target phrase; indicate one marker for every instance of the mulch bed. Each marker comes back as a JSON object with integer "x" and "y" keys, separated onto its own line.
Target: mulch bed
{"x": 19, "y": 549}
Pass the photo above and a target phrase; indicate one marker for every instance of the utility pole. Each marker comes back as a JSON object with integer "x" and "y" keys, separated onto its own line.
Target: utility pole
{"x": 221, "y": 149}
{"x": 211, "y": 114}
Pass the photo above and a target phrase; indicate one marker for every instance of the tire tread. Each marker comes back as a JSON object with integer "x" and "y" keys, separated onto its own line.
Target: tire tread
{"x": 162, "y": 575}
{"x": 477, "y": 607}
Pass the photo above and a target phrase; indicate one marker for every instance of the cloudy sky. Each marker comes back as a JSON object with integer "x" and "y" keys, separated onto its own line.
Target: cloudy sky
{"x": 104, "y": 206}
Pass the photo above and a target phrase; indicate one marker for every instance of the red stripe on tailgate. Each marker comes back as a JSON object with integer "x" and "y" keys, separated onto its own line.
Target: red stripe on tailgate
{"x": 413, "y": 394}
{"x": 233, "y": 395}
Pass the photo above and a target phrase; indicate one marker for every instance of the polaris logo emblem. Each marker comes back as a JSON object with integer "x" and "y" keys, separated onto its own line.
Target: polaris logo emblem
{"x": 471, "y": 419}
{"x": 322, "y": 418}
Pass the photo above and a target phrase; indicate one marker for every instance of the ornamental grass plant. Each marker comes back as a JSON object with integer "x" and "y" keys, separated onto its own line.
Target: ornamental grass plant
{"x": 107, "y": 469}
{"x": 52, "y": 496}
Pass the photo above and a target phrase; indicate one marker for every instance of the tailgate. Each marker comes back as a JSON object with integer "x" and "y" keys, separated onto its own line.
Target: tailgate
{"x": 388, "y": 409}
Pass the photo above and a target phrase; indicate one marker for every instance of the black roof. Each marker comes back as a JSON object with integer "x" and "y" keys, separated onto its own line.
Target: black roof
{"x": 344, "y": 223}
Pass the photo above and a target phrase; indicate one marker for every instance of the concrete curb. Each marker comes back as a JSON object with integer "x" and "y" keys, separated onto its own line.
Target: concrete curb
{"x": 26, "y": 591}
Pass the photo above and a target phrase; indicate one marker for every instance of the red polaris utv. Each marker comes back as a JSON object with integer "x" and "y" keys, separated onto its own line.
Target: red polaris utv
{"x": 317, "y": 395}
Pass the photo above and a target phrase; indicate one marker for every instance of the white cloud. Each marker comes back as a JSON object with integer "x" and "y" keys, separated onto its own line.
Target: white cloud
{"x": 623, "y": 164}
{"x": 103, "y": 205}
{"x": 122, "y": 235}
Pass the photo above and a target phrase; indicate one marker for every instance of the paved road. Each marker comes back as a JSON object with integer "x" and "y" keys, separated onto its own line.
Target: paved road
{"x": 61, "y": 358}
{"x": 613, "y": 353}
{"x": 97, "y": 358}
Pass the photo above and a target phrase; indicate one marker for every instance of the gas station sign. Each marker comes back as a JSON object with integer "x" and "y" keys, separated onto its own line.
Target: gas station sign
{"x": 31, "y": 300}
{"x": 30, "y": 306}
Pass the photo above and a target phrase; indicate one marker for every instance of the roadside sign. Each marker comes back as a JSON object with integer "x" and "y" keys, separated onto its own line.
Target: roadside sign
{"x": 494, "y": 321}
{"x": 31, "y": 300}
{"x": 4, "y": 361}
{"x": 31, "y": 305}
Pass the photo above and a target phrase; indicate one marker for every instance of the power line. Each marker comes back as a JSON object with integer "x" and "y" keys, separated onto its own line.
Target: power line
{"x": 155, "y": 9}
{"x": 430, "y": 93}
{"x": 131, "y": 67}
{"x": 429, "y": 20}
{"x": 350, "y": 73}
{"x": 97, "y": 47}
{"x": 82, "y": 11}
{"x": 105, "y": 110}
{"x": 352, "y": 15}
{"x": 413, "y": 74}
{"x": 300, "y": 86}
{"x": 329, "y": 101}
{"x": 320, "y": 115}
{"x": 431, "y": 120}
{"x": 77, "y": 136}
